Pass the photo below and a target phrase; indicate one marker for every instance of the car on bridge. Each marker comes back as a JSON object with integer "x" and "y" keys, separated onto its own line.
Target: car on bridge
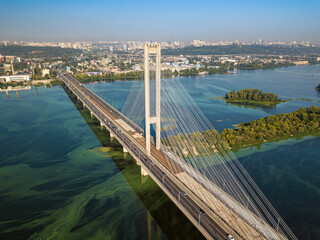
{"x": 230, "y": 237}
{"x": 202, "y": 211}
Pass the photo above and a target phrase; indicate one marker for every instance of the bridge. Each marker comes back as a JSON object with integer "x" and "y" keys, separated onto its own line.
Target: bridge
{"x": 211, "y": 207}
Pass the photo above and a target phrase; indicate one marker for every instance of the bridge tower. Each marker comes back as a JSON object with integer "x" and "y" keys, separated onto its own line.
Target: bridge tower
{"x": 148, "y": 50}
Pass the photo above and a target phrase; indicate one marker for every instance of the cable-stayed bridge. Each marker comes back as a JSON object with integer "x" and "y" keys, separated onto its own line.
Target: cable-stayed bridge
{"x": 187, "y": 158}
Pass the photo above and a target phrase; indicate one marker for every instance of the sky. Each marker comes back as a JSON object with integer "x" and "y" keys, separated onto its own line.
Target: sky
{"x": 211, "y": 20}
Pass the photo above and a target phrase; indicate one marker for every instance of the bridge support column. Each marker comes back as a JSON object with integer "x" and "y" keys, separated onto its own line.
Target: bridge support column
{"x": 101, "y": 125}
{"x": 147, "y": 96}
{"x": 158, "y": 96}
{"x": 124, "y": 150}
{"x": 111, "y": 135}
{"x": 144, "y": 172}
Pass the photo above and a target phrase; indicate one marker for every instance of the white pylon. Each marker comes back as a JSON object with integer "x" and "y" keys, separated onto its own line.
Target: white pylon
{"x": 149, "y": 120}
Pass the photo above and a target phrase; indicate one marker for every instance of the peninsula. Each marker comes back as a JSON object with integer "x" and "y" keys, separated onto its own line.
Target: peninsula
{"x": 302, "y": 122}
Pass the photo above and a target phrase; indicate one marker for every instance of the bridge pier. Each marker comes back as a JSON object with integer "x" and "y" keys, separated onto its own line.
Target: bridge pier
{"x": 144, "y": 172}
{"x": 124, "y": 150}
{"x": 111, "y": 135}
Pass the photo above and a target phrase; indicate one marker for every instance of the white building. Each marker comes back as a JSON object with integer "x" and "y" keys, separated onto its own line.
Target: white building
{"x": 14, "y": 78}
{"x": 45, "y": 72}
{"x": 136, "y": 67}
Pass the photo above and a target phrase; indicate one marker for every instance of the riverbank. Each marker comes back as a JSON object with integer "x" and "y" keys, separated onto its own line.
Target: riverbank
{"x": 36, "y": 83}
{"x": 293, "y": 138}
{"x": 252, "y": 103}
{"x": 255, "y": 103}
{"x": 138, "y": 75}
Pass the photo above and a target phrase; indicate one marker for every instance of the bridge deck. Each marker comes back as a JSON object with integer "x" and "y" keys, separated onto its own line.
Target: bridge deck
{"x": 220, "y": 209}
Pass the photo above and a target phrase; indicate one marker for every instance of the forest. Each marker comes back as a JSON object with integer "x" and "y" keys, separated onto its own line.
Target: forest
{"x": 260, "y": 65}
{"x": 270, "y": 128}
{"x": 244, "y": 49}
{"x": 29, "y": 51}
{"x": 300, "y": 122}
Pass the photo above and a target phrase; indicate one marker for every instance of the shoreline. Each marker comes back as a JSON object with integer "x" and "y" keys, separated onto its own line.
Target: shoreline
{"x": 36, "y": 83}
{"x": 296, "y": 137}
{"x": 251, "y": 103}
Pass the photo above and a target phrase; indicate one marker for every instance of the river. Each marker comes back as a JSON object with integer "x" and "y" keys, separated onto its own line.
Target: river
{"x": 58, "y": 183}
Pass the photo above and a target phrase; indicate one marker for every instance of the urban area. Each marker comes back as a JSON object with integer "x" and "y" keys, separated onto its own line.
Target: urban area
{"x": 107, "y": 61}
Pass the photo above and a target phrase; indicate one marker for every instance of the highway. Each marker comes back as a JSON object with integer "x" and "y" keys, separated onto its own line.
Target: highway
{"x": 209, "y": 224}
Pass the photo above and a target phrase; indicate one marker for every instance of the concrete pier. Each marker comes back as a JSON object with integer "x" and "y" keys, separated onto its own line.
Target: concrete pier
{"x": 144, "y": 172}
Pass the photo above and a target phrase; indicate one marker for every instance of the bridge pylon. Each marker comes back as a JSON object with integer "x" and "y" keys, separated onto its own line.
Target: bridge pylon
{"x": 156, "y": 50}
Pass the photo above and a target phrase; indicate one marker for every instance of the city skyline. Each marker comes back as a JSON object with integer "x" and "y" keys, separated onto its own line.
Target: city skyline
{"x": 180, "y": 20}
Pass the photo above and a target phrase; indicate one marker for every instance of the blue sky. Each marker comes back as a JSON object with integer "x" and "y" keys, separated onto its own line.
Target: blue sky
{"x": 69, "y": 20}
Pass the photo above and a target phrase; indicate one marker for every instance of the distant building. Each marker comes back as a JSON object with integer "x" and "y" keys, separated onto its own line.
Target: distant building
{"x": 45, "y": 71}
{"x": 7, "y": 67}
{"x": 14, "y": 78}
{"x": 136, "y": 67}
{"x": 94, "y": 73}
{"x": 10, "y": 58}
{"x": 301, "y": 63}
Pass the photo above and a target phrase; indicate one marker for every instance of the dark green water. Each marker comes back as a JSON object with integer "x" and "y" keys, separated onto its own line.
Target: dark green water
{"x": 56, "y": 182}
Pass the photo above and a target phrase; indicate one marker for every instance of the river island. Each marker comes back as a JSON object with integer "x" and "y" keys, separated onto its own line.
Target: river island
{"x": 255, "y": 97}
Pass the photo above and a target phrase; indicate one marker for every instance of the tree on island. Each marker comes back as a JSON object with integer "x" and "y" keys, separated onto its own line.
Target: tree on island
{"x": 252, "y": 95}
{"x": 318, "y": 87}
